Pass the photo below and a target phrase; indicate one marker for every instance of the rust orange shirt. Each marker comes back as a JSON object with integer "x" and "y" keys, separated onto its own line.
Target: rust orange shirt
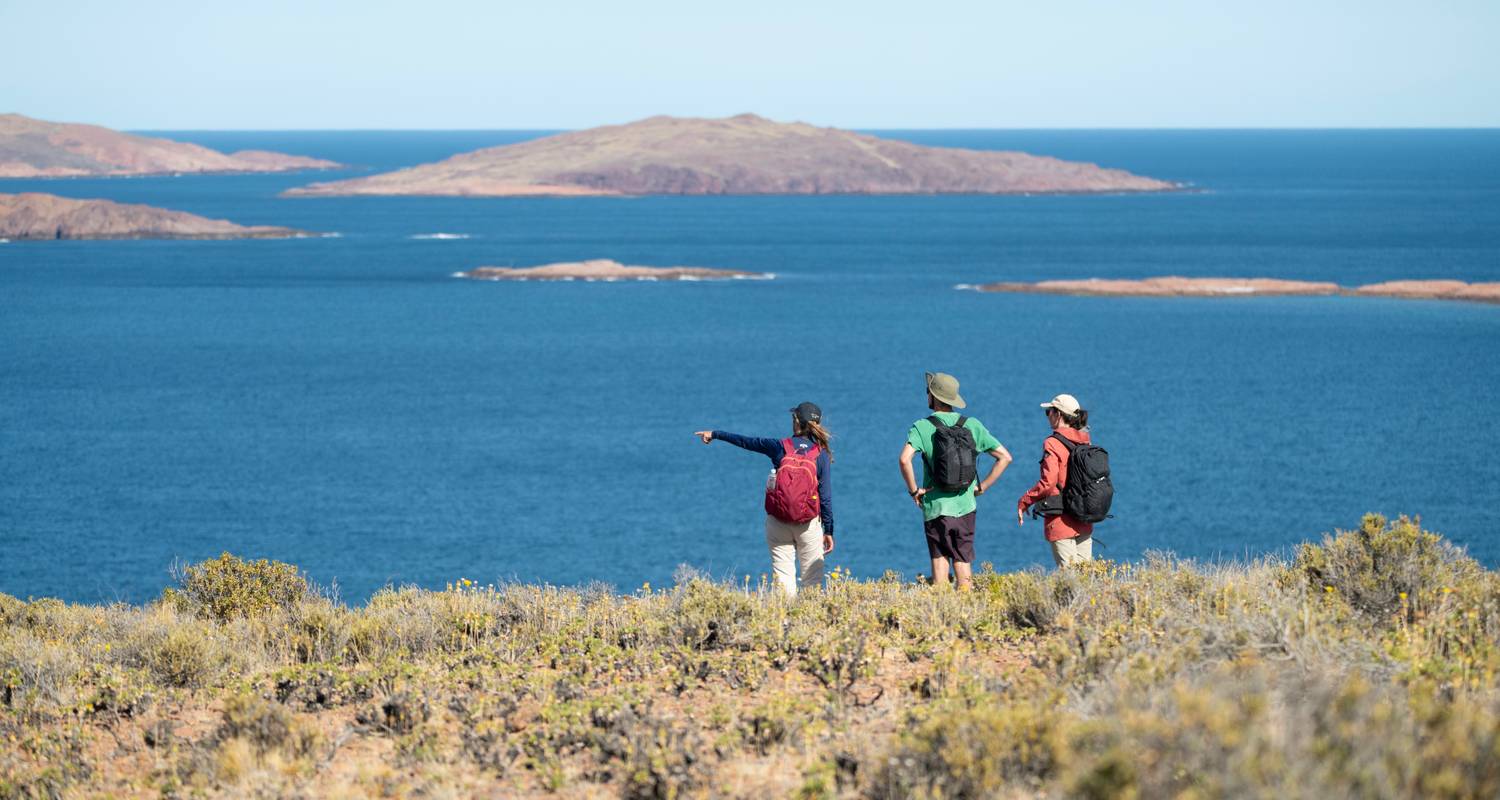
{"x": 1054, "y": 477}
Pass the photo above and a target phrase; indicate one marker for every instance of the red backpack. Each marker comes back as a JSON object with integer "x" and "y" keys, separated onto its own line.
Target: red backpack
{"x": 793, "y": 496}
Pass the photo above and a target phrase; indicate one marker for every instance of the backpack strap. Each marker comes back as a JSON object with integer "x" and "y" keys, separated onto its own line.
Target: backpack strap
{"x": 961, "y": 420}
{"x": 1071, "y": 446}
{"x": 789, "y": 448}
{"x": 937, "y": 423}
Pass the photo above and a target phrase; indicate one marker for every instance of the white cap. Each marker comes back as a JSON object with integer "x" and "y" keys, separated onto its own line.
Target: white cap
{"x": 1066, "y": 403}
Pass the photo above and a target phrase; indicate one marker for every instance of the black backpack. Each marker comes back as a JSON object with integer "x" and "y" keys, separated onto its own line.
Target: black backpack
{"x": 952, "y": 457}
{"x": 1088, "y": 493}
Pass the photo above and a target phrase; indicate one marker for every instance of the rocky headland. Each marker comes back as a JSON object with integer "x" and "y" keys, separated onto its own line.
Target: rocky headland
{"x": 746, "y": 154}
{"x": 1170, "y": 286}
{"x": 605, "y": 270}
{"x": 1433, "y": 290}
{"x": 47, "y": 216}
{"x": 33, "y": 148}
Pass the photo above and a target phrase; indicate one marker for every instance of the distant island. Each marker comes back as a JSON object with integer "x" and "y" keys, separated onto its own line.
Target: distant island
{"x": 1178, "y": 286}
{"x": 1433, "y": 290}
{"x": 1170, "y": 286}
{"x": 746, "y": 154}
{"x": 33, "y": 148}
{"x": 605, "y": 270}
{"x": 47, "y": 216}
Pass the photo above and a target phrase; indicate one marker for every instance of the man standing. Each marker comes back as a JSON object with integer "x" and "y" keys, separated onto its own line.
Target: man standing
{"x": 948, "y": 442}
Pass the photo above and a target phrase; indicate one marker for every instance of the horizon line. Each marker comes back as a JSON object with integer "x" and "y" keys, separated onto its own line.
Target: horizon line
{"x": 1142, "y": 128}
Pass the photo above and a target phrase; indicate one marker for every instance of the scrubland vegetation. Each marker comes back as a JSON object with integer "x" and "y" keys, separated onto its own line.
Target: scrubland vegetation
{"x": 1365, "y": 666}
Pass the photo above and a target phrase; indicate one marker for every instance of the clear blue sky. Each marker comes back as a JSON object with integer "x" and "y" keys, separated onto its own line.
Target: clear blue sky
{"x": 855, "y": 63}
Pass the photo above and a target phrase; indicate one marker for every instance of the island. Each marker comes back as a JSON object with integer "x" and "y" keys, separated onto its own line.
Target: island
{"x": 47, "y": 216}
{"x": 1169, "y": 286}
{"x": 746, "y": 154}
{"x": 34, "y": 148}
{"x": 606, "y": 270}
{"x": 1433, "y": 290}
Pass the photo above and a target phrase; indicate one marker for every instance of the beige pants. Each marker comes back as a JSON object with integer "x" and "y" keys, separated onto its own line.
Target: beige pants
{"x": 796, "y": 549}
{"x": 1073, "y": 551}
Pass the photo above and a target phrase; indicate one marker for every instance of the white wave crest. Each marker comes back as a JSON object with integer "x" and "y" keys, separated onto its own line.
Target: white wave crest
{"x": 439, "y": 236}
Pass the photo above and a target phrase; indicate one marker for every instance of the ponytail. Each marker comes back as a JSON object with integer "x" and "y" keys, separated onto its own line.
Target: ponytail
{"x": 1078, "y": 421}
{"x": 819, "y": 434}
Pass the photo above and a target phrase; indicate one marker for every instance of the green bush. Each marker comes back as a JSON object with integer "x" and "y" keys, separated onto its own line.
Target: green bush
{"x": 228, "y": 587}
{"x": 185, "y": 657}
{"x": 1384, "y": 565}
{"x": 267, "y": 726}
{"x": 664, "y": 762}
{"x": 10, "y": 608}
{"x": 319, "y": 631}
{"x": 962, "y": 750}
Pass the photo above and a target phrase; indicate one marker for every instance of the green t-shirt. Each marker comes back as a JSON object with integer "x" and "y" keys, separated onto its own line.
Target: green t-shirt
{"x": 947, "y": 504}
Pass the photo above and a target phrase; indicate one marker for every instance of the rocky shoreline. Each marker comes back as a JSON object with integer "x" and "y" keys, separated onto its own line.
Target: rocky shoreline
{"x": 606, "y": 270}
{"x": 1178, "y": 286}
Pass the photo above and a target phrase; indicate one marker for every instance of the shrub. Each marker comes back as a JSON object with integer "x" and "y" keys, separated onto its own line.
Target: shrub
{"x": 267, "y": 726}
{"x": 185, "y": 656}
{"x": 1383, "y": 563}
{"x": 228, "y": 587}
{"x": 319, "y": 631}
{"x": 1026, "y": 596}
{"x": 10, "y": 608}
{"x": 35, "y": 671}
{"x": 958, "y": 750}
{"x": 399, "y": 713}
{"x": 709, "y": 616}
{"x": 665, "y": 762}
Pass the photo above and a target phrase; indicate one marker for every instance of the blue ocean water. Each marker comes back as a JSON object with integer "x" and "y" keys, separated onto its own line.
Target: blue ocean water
{"x": 346, "y": 405}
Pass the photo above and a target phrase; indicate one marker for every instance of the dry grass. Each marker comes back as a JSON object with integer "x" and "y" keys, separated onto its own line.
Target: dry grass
{"x": 1365, "y": 667}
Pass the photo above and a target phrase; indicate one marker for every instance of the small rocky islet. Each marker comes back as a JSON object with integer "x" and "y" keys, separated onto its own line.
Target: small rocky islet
{"x": 1179, "y": 286}
{"x": 606, "y": 270}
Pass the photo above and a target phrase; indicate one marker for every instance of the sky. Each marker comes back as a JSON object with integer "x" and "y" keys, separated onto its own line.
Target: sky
{"x": 491, "y": 64}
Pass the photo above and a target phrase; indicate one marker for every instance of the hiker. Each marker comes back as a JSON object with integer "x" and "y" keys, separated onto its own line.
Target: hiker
{"x": 799, "y": 508}
{"x": 949, "y": 442}
{"x": 1072, "y": 538}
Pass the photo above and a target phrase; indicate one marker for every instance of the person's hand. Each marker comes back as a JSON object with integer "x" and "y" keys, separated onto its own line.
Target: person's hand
{"x": 917, "y": 498}
{"x": 706, "y": 436}
{"x": 827, "y": 544}
{"x": 979, "y": 489}
{"x": 1020, "y": 516}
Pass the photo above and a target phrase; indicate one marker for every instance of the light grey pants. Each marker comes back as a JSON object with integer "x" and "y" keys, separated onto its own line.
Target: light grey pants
{"x": 796, "y": 549}
{"x": 1073, "y": 551}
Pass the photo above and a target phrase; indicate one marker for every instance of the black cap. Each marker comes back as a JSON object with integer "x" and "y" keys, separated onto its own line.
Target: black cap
{"x": 808, "y": 412}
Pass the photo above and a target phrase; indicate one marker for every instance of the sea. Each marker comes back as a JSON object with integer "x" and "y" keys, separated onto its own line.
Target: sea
{"x": 345, "y": 404}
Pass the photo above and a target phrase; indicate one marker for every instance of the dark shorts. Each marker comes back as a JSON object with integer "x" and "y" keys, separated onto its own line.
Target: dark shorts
{"x": 951, "y": 537}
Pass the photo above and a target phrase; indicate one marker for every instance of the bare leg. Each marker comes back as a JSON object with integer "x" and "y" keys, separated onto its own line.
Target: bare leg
{"x": 965, "y": 574}
{"x": 940, "y": 571}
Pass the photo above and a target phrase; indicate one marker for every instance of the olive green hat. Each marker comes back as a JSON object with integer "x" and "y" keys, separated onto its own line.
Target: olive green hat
{"x": 945, "y": 388}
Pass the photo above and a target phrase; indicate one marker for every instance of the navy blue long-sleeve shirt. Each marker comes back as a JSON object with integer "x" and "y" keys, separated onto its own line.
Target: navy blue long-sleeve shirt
{"x": 771, "y": 448}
